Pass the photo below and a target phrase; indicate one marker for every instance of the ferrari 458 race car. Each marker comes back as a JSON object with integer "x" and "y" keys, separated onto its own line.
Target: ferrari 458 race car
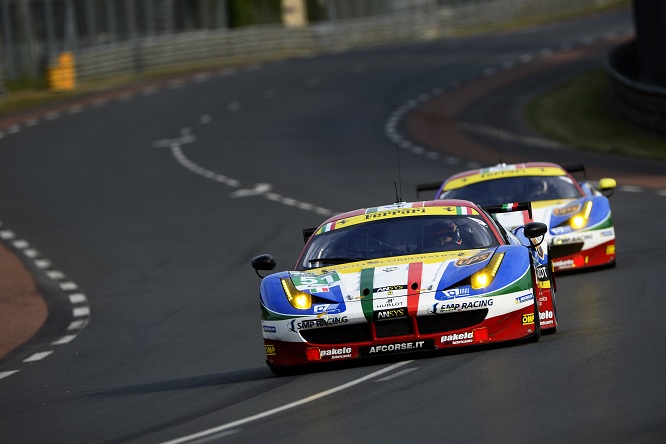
{"x": 407, "y": 277}
{"x": 580, "y": 226}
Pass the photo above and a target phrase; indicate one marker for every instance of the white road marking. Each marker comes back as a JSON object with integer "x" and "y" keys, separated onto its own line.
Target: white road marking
{"x": 260, "y": 188}
{"x": 77, "y": 325}
{"x": 21, "y": 244}
{"x": 7, "y": 373}
{"x": 395, "y": 375}
{"x": 55, "y": 274}
{"x": 68, "y": 286}
{"x": 38, "y": 356}
{"x": 267, "y": 413}
{"x": 77, "y": 298}
{"x": 64, "y": 340}
{"x": 43, "y": 263}
{"x": 79, "y": 312}
{"x": 31, "y": 253}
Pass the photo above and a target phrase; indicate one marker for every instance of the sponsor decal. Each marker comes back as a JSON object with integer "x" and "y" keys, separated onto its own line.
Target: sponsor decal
{"x": 315, "y": 283}
{"x": 458, "y": 338}
{"x": 389, "y": 314}
{"x": 480, "y": 303}
{"x": 336, "y": 353}
{"x": 394, "y": 213}
{"x": 610, "y": 250}
{"x": 524, "y": 298}
{"x": 545, "y": 315}
{"x": 455, "y": 293}
{"x": 542, "y": 273}
{"x": 573, "y": 239}
{"x": 565, "y": 211}
{"x": 270, "y": 350}
{"x": 474, "y": 259}
{"x": 269, "y": 329}
{"x": 569, "y": 263}
{"x": 560, "y": 230}
{"x": 389, "y": 269}
{"x": 389, "y": 303}
{"x": 389, "y": 288}
{"x": 528, "y": 319}
{"x": 397, "y": 347}
{"x": 323, "y": 309}
{"x": 607, "y": 233}
{"x": 319, "y": 322}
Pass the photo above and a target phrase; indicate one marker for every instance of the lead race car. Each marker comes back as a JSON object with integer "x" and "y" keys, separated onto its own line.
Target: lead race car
{"x": 407, "y": 277}
{"x": 581, "y": 232}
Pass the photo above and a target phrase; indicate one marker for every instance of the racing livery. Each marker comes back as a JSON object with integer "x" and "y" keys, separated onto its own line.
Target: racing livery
{"x": 580, "y": 225}
{"x": 407, "y": 277}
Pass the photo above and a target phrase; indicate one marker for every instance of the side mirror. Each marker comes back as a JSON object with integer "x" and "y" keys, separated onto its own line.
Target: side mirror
{"x": 263, "y": 262}
{"x": 535, "y": 232}
{"x": 607, "y": 186}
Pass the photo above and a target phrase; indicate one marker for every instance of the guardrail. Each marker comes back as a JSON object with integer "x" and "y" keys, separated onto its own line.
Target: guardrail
{"x": 272, "y": 41}
{"x": 641, "y": 104}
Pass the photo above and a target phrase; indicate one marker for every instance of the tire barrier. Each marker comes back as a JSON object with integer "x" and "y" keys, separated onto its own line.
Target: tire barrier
{"x": 641, "y": 104}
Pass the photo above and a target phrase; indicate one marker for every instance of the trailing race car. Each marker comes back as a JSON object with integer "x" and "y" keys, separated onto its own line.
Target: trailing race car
{"x": 407, "y": 277}
{"x": 581, "y": 232}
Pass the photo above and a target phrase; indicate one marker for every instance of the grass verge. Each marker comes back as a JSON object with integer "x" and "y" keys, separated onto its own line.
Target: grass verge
{"x": 579, "y": 113}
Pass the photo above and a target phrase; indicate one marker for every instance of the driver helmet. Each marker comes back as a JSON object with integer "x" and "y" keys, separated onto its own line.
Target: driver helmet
{"x": 445, "y": 233}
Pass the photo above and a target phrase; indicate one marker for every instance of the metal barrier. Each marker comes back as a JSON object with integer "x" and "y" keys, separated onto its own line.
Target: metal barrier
{"x": 639, "y": 103}
{"x": 271, "y": 41}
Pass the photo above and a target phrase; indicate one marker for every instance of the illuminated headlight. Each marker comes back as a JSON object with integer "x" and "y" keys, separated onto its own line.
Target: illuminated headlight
{"x": 485, "y": 276}
{"x": 580, "y": 220}
{"x": 298, "y": 299}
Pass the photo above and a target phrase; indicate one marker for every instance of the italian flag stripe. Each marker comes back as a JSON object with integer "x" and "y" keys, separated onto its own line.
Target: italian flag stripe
{"x": 464, "y": 210}
{"x": 367, "y": 281}
{"x": 509, "y": 206}
{"x": 414, "y": 275}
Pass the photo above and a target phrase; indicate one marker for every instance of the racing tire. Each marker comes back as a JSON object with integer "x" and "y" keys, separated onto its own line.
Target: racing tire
{"x": 537, "y": 325}
{"x": 537, "y": 322}
{"x": 553, "y": 287}
{"x": 283, "y": 370}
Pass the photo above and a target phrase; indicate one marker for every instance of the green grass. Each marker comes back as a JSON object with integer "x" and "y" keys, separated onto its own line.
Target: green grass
{"x": 579, "y": 112}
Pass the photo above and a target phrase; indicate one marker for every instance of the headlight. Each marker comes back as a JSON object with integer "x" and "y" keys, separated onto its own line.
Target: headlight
{"x": 580, "y": 220}
{"x": 298, "y": 299}
{"x": 485, "y": 276}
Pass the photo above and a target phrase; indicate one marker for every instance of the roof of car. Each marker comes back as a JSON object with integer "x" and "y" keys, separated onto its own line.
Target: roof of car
{"x": 503, "y": 170}
{"x": 400, "y": 209}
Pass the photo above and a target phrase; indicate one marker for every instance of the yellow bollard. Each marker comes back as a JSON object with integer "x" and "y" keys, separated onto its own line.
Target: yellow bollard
{"x": 62, "y": 76}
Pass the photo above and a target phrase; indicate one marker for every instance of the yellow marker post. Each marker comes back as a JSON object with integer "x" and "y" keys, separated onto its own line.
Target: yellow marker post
{"x": 62, "y": 76}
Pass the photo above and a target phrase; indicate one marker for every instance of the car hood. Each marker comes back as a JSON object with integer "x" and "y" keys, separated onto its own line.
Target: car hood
{"x": 556, "y": 213}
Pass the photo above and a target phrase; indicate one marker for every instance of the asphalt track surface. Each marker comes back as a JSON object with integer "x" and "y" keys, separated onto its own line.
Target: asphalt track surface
{"x": 138, "y": 213}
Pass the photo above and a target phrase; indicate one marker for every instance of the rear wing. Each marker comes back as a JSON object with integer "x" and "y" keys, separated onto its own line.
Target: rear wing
{"x": 432, "y": 186}
{"x": 307, "y": 233}
{"x": 576, "y": 169}
{"x": 509, "y": 207}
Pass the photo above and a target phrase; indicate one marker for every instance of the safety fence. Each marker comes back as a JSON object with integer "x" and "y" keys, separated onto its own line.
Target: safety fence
{"x": 270, "y": 41}
{"x": 150, "y": 37}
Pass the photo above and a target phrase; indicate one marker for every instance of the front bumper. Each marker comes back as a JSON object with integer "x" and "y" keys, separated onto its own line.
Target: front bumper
{"x": 582, "y": 249}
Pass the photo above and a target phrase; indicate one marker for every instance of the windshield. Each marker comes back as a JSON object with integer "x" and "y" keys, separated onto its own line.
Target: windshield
{"x": 397, "y": 237}
{"x": 516, "y": 189}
